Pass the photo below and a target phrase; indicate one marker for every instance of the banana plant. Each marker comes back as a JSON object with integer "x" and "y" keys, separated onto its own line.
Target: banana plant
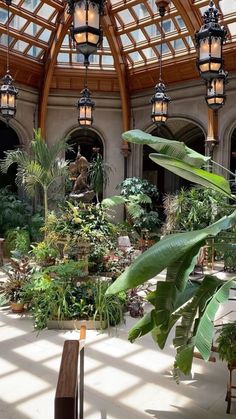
{"x": 177, "y": 299}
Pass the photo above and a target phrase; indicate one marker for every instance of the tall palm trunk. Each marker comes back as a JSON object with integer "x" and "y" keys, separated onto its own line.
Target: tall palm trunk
{"x": 45, "y": 197}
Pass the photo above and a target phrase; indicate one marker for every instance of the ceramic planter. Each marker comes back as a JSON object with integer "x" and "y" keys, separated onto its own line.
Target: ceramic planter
{"x": 17, "y": 307}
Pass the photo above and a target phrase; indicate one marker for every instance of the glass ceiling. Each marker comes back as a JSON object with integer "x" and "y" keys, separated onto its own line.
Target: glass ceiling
{"x": 137, "y": 23}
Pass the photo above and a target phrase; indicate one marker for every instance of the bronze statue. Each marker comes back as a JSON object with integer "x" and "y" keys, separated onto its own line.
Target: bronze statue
{"x": 79, "y": 171}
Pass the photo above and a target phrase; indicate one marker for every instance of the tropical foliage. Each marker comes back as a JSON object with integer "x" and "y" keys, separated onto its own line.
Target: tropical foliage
{"x": 42, "y": 166}
{"x": 176, "y": 298}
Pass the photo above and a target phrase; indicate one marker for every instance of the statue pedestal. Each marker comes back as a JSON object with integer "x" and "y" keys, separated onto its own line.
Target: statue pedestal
{"x": 82, "y": 196}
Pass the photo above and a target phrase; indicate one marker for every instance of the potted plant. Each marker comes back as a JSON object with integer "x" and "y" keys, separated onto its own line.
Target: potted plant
{"x": 227, "y": 343}
{"x": 18, "y": 272}
{"x": 45, "y": 253}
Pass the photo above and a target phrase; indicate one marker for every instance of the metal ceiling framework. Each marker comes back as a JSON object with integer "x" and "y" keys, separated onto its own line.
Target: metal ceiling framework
{"x": 128, "y": 59}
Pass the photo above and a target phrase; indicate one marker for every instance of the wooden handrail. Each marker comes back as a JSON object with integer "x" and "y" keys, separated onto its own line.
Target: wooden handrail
{"x": 66, "y": 398}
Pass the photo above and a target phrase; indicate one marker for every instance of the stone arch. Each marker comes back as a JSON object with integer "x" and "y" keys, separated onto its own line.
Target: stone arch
{"x": 87, "y": 138}
{"x": 23, "y": 135}
{"x": 177, "y": 128}
{"x": 225, "y": 145}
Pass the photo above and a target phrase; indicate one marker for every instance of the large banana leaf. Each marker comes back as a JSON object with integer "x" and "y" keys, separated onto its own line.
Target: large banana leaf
{"x": 193, "y": 174}
{"x": 205, "y": 329}
{"x": 164, "y": 253}
{"x": 176, "y": 149}
{"x": 186, "y": 333}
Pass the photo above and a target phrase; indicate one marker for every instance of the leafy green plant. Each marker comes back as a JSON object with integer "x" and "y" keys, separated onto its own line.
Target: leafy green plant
{"x": 42, "y": 166}
{"x": 45, "y": 252}
{"x": 137, "y": 186}
{"x": 17, "y": 239}
{"x": 193, "y": 209}
{"x": 227, "y": 343}
{"x": 13, "y": 212}
{"x": 98, "y": 174}
{"x": 174, "y": 300}
{"x": 18, "y": 272}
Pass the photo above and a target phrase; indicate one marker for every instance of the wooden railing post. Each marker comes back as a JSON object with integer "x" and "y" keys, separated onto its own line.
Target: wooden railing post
{"x": 66, "y": 399}
{"x": 81, "y": 382}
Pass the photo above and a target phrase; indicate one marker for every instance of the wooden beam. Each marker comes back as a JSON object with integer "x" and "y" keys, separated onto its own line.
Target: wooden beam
{"x": 62, "y": 28}
{"x": 190, "y": 15}
{"x": 212, "y": 134}
{"x": 120, "y": 66}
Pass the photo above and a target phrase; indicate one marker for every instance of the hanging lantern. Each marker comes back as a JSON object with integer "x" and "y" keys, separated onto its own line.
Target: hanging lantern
{"x": 215, "y": 96}
{"x": 86, "y": 29}
{"x": 8, "y": 94}
{"x": 160, "y": 105}
{"x": 209, "y": 42}
{"x": 85, "y": 107}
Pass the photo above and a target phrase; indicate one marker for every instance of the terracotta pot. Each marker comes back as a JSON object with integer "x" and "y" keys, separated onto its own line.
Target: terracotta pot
{"x": 17, "y": 307}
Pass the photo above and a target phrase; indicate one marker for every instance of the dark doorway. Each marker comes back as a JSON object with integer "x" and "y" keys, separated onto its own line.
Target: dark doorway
{"x": 8, "y": 141}
{"x": 87, "y": 140}
{"x": 179, "y": 130}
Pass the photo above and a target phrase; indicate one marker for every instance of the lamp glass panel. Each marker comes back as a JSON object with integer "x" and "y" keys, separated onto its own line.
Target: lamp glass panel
{"x": 215, "y": 66}
{"x": 219, "y": 86}
{"x": 88, "y": 112}
{"x": 11, "y": 100}
{"x": 93, "y": 39}
{"x": 80, "y": 15}
{"x": 204, "y": 51}
{"x": 80, "y": 38}
{"x": 93, "y": 16}
{"x": 164, "y": 107}
{"x": 216, "y": 47}
{"x": 4, "y": 100}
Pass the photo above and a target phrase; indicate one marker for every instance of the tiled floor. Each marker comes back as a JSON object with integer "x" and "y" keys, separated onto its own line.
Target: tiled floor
{"x": 122, "y": 380}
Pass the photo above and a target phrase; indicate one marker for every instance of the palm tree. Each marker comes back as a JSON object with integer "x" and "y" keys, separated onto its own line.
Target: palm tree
{"x": 40, "y": 166}
{"x": 98, "y": 174}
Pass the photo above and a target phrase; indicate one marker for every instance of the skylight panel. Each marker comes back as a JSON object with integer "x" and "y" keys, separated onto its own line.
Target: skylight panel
{"x": 228, "y": 6}
{"x": 126, "y": 41}
{"x": 3, "y": 16}
{"x": 30, "y": 5}
{"x": 35, "y": 51}
{"x": 20, "y": 46}
{"x": 17, "y": 22}
{"x": 138, "y": 35}
{"x": 32, "y": 29}
{"x": 45, "y": 35}
{"x": 126, "y": 16}
{"x": 63, "y": 57}
{"x": 152, "y": 30}
{"x": 141, "y": 11}
{"x": 46, "y": 11}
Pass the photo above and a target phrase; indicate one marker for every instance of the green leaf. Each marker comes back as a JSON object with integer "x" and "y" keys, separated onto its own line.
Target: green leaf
{"x": 175, "y": 149}
{"x": 142, "y": 327}
{"x": 205, "y": 329}
{"x": 195, "y": 175}
{"x": 113, "y": 200}
{"x": 184, "y": 333}
{"x": 164, "y": 253}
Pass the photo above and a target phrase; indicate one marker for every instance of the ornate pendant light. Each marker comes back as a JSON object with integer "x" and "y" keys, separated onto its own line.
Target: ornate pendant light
{"x": 209, "y": 42}
{"x": 86, "y": 29}
{"x": 8, "y": 92}
{"x": 160, "y": 100}
{"x": 85, "y": 106}
{"x": 215, "y": 96}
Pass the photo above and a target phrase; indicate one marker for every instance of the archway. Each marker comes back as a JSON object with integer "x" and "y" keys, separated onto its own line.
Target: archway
{"x": 233, "y": 152}
{"x": 9, "y": 141}
{"x": 175, "y": 129}
{"x": 87, "y": 139}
